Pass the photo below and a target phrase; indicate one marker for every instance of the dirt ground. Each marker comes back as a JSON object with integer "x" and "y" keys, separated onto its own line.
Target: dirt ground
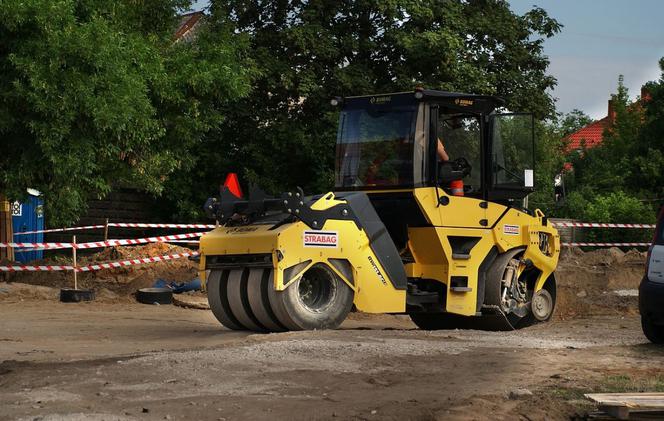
{"x": 115, "y": 359}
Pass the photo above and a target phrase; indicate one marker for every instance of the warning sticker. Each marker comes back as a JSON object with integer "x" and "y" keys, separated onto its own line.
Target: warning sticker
{"x": 321, "y": 239}
{"x": 511, "y": 229}
{"x": 17, "y": 209}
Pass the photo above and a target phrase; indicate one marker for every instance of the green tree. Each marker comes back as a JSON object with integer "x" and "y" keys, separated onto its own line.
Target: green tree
{"x": 621, "y": 179}
{"x": 549, "y": 161}
{"x": 615, "y": 207}
{"x": 573, "y": 121}
{"x": 647, "y": 166}
{"x": 610, "y": 167}
{"x": 283, "y": 133}
{"x": 96, "y": 94}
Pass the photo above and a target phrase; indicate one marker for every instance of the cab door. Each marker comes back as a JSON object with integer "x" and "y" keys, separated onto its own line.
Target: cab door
{"x": 461, "y": 134}
{"x": 511, "y": 159}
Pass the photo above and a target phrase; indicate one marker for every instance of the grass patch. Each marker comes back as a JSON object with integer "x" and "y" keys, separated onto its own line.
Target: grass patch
{"x": 623, "y": 383}
{"x": 567, "y": 393}
{"x": 608, "y": 384}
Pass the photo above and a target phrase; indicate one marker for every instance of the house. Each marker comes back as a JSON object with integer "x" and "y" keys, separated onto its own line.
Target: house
{"x": 591, "y": 135}
{"x": 188, "y": 26}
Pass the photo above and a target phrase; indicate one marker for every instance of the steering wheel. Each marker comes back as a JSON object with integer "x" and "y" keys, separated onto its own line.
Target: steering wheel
{"x": 462, "y": 164}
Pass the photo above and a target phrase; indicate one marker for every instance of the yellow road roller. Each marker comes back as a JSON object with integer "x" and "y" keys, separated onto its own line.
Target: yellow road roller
{"x": 428, "y": 218}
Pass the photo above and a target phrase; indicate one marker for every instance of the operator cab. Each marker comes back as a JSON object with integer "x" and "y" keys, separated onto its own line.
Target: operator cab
{"x": 389, "y": 143}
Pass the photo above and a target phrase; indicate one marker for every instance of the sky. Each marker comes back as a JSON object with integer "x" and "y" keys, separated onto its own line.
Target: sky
{"x": 600, "y": 40}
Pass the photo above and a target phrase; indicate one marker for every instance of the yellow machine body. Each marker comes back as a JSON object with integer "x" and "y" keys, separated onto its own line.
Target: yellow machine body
{"x": 493, "y": 224}
{"x": 442, "y": 237}
{"x": 286, "y": 245}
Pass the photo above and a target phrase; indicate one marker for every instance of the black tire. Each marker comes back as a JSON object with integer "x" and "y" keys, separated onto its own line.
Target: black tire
{"x": 257, "y": 291}
{"x": 654, "y": 333}
{"x": 492, "y": 291}
{"x": 531, "y": 319}
{"x": 218, "y": 300}
{"x": 438, "y": 321}
{"x": 76, "y": 295}
{"x": 239, "y": 301}
{"x": 154, "y": 296}
{"x": 319, "y": 299}
{"x": 278, "y": 307}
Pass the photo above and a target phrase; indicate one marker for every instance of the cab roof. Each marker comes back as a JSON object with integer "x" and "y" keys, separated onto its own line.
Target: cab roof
{"x": 455, "y": 101}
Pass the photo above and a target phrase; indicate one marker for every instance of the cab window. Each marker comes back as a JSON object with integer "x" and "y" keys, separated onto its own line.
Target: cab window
{"x": 375, "y": 145}
{"x": 460, "y": 134}
{"x": 513, "y": 151}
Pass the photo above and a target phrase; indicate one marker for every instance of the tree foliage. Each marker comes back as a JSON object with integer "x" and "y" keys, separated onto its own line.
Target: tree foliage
{"x": 622, "y": 180}
{"x": 283, "y": 133}
{"x": 572, "y": 121}
{"x": 549, "y": 160}
{"x": 96, "y": 94}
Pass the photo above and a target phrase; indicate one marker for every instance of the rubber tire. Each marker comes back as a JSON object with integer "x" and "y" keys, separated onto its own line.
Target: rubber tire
{"x": 218, "y": 300}
{"x": 239, "y": 301}
{"x": 492, "y": 293}
{"x": 76, "y": 295}
{"x": 654, "y": 333}
{"x": 257, "y": 291}
{"x": 306, "y": 319}
{"x": 154, "y": 296}
{"x": 278, "y": 307}
{"x": 438, "y": 321}
{"x": 543, "y": 292}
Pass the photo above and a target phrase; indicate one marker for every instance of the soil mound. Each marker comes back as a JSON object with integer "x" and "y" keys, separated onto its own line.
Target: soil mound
{"x": 117, "y": 283}
{"x": 594, "y": 282}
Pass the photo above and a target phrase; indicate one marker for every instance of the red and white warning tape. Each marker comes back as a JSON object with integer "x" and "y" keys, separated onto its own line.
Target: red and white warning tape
{"x": 29, "y": 268}
{"x": 182, "y": 238}
{"x": 141, "y": 225}
{"x": 209, "y": 226}
{"x": 48, "y": 246}
{"x": 605, "y": 244}
{"x": 600, "y": 225}
{"x": 120, "y": 225}
{"x": 163, "y": 238}
{"x": 99, "y": 244}
{"x": 98, "y": 266}
{"x": 132, "y": 262}
{"x": 89, "y": 227}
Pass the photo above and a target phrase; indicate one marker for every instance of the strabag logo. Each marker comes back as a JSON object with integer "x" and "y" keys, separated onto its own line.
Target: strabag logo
{"x": 375, "y": 268}
{"x": 321, "y": 239}
{"x": 511, "y": 229}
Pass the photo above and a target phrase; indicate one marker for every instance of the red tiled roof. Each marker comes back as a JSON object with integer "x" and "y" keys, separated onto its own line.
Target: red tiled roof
{"x": 187, "y": 26}
{"x": 592, "y": 134}
{"x": 588, "y": 136}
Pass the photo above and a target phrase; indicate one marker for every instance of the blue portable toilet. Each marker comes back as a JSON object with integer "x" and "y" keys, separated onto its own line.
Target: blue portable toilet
{"x": 28, "y": 216}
